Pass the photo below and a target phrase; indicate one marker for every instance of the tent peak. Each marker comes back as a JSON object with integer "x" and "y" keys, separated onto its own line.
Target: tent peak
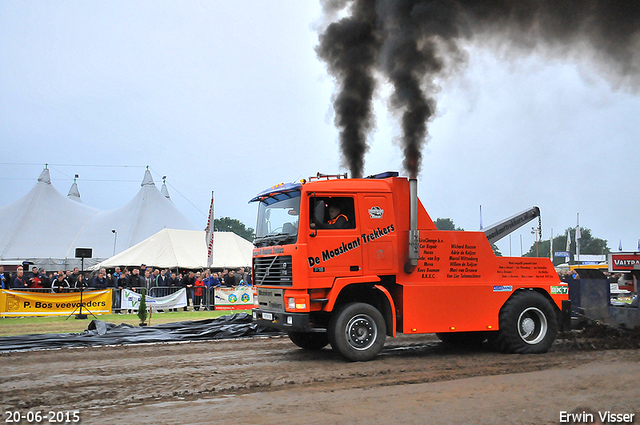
{"x": 45, "y": 177}
{"x": 74, "y": 193}
{"x": 164, "y": 190}
{"x": 147, "y": 180}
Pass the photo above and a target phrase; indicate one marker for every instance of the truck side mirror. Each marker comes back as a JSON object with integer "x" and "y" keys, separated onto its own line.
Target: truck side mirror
{"x": 318, "y": 211}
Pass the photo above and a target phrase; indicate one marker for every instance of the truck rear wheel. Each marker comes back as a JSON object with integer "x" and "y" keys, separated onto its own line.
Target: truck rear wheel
{"x": 527, "y": 324}
{"x": 309, "y": 340}
{"x": 357, "y": 331}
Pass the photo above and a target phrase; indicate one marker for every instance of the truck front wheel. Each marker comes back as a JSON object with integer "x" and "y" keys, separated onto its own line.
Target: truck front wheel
{"x": 527, "y": 324}
{"x": 309, "y": 340}
{"x": 357, "y": 331}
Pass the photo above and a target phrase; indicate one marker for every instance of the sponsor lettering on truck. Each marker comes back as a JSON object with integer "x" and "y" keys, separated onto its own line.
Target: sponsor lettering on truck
{"x": 348, "y": 262}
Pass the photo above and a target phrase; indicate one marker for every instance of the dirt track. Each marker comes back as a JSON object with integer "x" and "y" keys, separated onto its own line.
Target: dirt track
{"x": 416, "y": 379}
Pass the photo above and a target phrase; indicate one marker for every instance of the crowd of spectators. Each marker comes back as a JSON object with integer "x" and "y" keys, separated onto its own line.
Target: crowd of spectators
{"x": 158, "y": 282}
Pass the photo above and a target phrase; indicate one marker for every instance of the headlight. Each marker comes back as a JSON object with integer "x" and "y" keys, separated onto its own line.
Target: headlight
{"x": 296, "y": 303}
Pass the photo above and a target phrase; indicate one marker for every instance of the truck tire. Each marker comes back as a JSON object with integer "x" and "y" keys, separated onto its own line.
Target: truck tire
{"x": 528, "y": 324}
{"x": 357, "y": 331}
{"x": 469, "y": 339}
{"x": 309, "y": 340}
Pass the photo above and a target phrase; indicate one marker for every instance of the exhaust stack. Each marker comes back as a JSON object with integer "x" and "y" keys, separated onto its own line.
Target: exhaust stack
{"x": 414, "y": 235}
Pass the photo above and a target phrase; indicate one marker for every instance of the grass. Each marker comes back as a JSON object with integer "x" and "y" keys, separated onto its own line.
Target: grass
{"x": 12, "y": 326}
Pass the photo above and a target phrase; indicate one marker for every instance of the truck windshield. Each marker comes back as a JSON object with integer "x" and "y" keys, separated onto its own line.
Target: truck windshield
{"x": 278, "y": 222}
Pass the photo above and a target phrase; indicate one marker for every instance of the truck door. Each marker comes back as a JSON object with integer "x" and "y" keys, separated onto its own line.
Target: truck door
{"x": 335, "y": 250}
{"x": 378, "y": 234}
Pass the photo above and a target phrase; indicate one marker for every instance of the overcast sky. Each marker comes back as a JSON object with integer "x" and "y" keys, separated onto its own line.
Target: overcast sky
{"x": 230, "y": 97}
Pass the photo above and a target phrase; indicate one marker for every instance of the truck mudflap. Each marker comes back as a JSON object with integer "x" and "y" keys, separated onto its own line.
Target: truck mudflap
{"x": 284, "y": 321}
{"x": 565, "y": 321}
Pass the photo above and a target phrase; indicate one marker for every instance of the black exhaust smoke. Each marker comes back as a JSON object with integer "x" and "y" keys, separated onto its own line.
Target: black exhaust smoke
{"x": 350, "y": 47}
{"x": 414, "y": 44}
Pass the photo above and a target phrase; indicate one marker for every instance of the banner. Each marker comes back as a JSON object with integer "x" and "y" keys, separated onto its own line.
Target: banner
{"x": 238, "y": 298}
{"x": 624, "y": 262}
{"x": 23, "y": 303}
{"x": 131, "y": 300}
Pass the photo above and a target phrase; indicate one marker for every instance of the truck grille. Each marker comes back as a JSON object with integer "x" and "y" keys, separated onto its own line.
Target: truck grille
{"x": 273, "y": 270}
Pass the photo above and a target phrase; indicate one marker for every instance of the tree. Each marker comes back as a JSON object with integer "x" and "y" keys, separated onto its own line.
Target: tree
{"x": 142, "y": 308}
{"x": 448, "y": 224}
{"x": 445, "y": 224}
{"x": 227, "y": 224}
{"x": 588, "y": 245}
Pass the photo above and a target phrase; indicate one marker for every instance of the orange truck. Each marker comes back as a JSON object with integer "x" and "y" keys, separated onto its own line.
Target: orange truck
{"x": 348, "y": 262}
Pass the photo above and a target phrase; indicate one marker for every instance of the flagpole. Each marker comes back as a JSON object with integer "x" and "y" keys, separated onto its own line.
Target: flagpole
{"x": 578, "y": 236}
{"x": 551, "y": 246}
{"x": 568, "y": 247}
{"x": 209, "y": 233}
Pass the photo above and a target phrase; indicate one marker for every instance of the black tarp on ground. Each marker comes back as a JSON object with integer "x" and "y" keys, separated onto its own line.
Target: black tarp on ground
{"x": 102, "y": 333}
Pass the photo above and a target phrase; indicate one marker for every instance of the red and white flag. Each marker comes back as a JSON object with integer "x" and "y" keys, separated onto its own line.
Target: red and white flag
{"x": 209, "y": 234}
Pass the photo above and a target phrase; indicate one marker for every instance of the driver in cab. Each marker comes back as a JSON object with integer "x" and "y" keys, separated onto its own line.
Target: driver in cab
{"x": 337, "y": 220}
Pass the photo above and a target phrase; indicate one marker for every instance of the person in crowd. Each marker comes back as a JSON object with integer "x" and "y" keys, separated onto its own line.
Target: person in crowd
{"x": 61, "y": 284}
{"x": 206, "y": 279}
{"x": 161, "y": 284}
{"x": 208, "y": 292}
{"x": 117, "y": 272}
{"x": 187, "y": 282}
{"x": 223, "y": 276}
{"x": 135, "y": 280}
{"x": 241, "y": 276}
{"x": 230, "y": 281}
{"x": 35, "y": 280}
{"x": 215, "y": 281}
{"x": 148, "y": 281}
{"x": 198, "y": 291}
{"x": 112, "y": 283}
{"x": 72, "y": 277}
{"x": 81, "y": 283}
{"x": 123, "y": 280}
{"x": 249, "y": 278}
{"x": 4, "y": 284}
{"x": 46, "y": 280}
{"x": 121, "y": 283}
{"x": 100, "y": 281}
{"x": 19, "y": 281}
{"x": 173, "y": 284}
{"x": 162, "y": 281}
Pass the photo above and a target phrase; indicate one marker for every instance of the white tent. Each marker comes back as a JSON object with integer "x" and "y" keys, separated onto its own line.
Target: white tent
{"x": 43, "y": 224}
{"x": 185, "y": 249}
{"x": 147, "y": 213}
{"x": 45, "y": 227}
